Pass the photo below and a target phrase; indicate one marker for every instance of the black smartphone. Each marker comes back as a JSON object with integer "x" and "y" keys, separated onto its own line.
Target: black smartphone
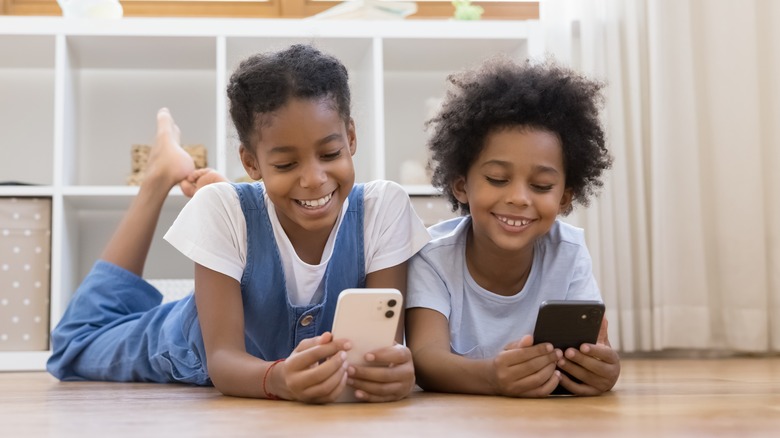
{"x": 568, "y": 324}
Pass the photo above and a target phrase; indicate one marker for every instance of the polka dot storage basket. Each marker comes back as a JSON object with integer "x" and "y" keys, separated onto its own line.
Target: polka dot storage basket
{"x": 25, "y": 254}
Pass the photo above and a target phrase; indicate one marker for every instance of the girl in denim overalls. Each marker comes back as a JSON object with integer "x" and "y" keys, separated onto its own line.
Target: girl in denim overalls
{"x": 270, "y": 258}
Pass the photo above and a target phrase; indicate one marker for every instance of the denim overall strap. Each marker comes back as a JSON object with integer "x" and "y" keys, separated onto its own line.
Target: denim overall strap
{"x": 273, "y": 326}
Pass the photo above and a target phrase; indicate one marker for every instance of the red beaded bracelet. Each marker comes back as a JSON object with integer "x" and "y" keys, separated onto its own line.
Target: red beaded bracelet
{"x": 270, "y": 395}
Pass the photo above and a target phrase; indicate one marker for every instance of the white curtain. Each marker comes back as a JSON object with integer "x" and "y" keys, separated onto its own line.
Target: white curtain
{"x": 685, "y": 236}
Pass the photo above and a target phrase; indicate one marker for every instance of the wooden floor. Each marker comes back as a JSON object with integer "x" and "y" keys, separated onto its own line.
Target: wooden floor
{"x": 654, "y": 397}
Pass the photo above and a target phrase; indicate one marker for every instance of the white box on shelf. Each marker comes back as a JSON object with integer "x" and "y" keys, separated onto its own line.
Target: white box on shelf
{"x": 25, "y": 250}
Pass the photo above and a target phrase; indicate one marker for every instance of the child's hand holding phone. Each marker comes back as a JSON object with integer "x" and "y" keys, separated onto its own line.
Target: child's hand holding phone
{"x": 379, "y": 368}
{"x": 597, "y": 366}
{"x": 526, "y": 370}
{"x": 389, "y": 377}
{"x": 315, "y": 372}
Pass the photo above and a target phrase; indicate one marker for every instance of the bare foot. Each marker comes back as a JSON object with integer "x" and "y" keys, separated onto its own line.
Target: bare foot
{"x": 168, "y": 162}
{"x": 198, "y": 179}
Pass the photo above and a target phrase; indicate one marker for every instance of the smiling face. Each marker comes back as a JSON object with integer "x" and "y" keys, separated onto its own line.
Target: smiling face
{"x": 515, "y": 189}
{"x": 304, "y": 156}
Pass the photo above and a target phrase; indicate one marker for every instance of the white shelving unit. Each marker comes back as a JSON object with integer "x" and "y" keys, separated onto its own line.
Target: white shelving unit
{"x": 76, "y": 94}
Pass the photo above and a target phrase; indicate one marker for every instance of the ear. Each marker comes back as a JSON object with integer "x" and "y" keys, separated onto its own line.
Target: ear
{"x": 459, "y": 190}
{"x": 250, "y": 162}
{"x": 566, "y": 201}
{"x": 352, "y": 136}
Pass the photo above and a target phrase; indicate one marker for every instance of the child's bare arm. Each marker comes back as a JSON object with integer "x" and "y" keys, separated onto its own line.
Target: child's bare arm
{"x": 235, "y": 372}
{"x": 521, "y": 370}
{"x": 597, "y": 366}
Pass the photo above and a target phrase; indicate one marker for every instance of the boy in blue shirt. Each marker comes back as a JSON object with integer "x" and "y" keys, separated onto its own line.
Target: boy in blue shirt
{"x": 514, "y": 146}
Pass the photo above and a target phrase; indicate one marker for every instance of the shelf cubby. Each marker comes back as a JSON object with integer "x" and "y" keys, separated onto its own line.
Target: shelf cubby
{"x": 27, "y": 70}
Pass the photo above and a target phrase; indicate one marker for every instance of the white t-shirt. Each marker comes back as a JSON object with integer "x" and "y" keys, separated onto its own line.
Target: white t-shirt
{"x": 211, "y": 230}
{"x": 482, "y": 322}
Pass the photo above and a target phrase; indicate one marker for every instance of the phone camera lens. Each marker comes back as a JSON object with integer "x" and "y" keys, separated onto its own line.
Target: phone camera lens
{"x": 391, "y": 303}
{"x": 389, "y": 314}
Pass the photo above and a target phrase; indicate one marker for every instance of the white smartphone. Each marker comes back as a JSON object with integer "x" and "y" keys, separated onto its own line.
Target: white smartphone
{"x": 368, "y": 318}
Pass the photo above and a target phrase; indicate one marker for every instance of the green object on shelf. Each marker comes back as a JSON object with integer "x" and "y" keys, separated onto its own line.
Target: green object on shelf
{"x": 464, "y": 10}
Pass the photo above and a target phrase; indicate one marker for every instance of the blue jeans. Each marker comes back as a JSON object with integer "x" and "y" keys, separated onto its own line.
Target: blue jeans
{"x": 115, "y": 329}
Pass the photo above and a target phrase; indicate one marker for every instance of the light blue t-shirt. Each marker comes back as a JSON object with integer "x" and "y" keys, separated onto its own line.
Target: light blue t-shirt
{"x": 482, "y": 322}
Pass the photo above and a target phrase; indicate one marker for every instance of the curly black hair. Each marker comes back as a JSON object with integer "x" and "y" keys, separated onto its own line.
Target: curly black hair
{"x": 265, "y": 82}
{"x": 503, "y": 93}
